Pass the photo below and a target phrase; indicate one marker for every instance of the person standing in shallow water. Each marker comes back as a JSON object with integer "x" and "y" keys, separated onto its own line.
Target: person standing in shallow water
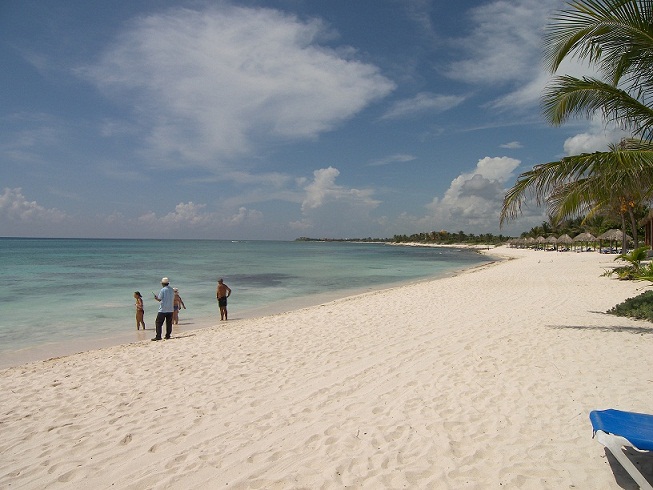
{"x": 166, "y": 300}
{"x": 178, "y": 305}
{"x": 222, "y": 293}
{"x": 140, "y": 310}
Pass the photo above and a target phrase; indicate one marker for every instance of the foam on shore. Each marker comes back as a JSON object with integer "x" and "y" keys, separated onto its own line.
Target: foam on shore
{"x": 481, "y": 380}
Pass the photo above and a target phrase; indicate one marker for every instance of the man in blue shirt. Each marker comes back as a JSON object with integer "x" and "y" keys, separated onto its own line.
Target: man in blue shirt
{"x": 166, "y": 301}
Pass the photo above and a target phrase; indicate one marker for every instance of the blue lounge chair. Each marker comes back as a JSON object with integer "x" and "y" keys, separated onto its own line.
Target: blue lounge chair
{"x": 616, "y": 429}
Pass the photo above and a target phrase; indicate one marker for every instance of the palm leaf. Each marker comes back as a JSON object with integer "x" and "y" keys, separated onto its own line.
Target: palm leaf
{"x": 568, "y": 96}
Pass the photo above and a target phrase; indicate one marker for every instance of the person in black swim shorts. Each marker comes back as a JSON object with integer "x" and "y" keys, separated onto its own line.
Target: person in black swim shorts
{"x": 222, "y": 293}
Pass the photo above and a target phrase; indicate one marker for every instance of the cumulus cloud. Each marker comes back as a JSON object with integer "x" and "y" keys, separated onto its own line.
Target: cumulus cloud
{"x": 474, "y": 199}
{"x": 422, "y": 103}
{"x": 212, "y": 84}
{"x": 323, "y": 190}
{"x": 596, "y": 138}
{"x": 333, "y": 206}
{"x": 245, "y": 215}
{"x": 189, "y": 214}
{"x": 14, "y": 206}
{"x": 192, "y": 215}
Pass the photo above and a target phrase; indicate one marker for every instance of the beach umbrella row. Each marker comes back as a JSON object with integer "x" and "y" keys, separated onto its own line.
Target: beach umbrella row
{"x": 551, "y": 240}
{"x": 613, "y": 235}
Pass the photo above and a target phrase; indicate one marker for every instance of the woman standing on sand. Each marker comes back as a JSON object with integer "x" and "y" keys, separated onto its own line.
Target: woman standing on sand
{"x": 140, "y": 311}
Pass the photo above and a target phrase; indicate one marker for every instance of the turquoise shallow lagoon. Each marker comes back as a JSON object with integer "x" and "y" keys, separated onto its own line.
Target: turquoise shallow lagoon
{"x": 67, "y": 290}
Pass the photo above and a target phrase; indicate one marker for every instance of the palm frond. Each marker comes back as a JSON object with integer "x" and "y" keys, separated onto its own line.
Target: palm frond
{"x": 580, "y": 183}
{"x": 614, "y": 34}
{"x": 568, "y": 96}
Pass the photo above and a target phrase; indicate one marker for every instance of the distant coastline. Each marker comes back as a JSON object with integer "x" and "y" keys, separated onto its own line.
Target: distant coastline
{"x": 432, "y": 238}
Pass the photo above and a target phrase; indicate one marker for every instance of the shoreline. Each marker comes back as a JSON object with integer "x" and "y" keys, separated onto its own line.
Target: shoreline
{"x": 482, "y": 379}
{"x": 55, "y": 350}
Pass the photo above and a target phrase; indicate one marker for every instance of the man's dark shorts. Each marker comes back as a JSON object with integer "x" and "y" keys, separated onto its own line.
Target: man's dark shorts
{"x": 222, "y": 301}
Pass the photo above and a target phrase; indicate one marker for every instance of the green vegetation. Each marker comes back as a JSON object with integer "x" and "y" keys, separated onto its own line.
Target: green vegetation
{"x": 640, "y": 307}
{"x": 365, "y": 240}
{"x": 634, "y": 270}
{"x": 445, "y": 238}
{"x": 615, "y": 37}
{"x": 433, "y": 237}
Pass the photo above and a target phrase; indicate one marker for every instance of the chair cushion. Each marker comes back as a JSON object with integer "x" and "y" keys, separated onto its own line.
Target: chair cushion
{"x": 637, "y": 428}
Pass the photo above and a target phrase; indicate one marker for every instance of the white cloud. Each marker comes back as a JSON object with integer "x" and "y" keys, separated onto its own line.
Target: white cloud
{"x": 596, "y": 138}
{"x": 14, "y": 206}
{"x": 213, "y": 84}
{"x": 336, "y": 208}
{"x": 187, "y": 213}
{"x": 191, "y": 215}
{"x": 513, "y": 145}
{"x": 419, "y": 11}
{"x": 323, "y": 190}
{"x": 245, "y": 215}
{"x": 32, "y": 137}
{"x": 301, "y": 225}
{"x": 421, "y": 103}
{"x": 397, "y": 158}
{"x": 505, "y": 47}
{"x": 505, "y": 43}
{"x": 473, "y": 200}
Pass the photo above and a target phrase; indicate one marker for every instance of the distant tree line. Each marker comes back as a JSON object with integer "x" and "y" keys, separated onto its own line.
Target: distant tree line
{"x": 368, "y": 239}
{"x": 596, "y": 225}
{"x": 445, "y": 238}
{"x": 435, "y": 237}
{"x": 615, "y": 38}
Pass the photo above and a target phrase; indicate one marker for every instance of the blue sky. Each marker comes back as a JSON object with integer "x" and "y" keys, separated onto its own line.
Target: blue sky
{"x": 273, "y": 119}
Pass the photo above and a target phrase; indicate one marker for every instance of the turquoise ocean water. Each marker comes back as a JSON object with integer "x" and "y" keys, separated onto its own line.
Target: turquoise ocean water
{"x": 66, "y": 290}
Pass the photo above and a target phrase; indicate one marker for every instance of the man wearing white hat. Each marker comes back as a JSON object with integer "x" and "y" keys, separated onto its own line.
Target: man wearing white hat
{"x": 166, "y": 299}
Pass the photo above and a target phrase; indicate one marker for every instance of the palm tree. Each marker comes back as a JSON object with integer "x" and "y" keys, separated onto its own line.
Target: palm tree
{"x": 615, "y": 36}
{"x": 614, "y": 189}
{"x": 611, "y": 184}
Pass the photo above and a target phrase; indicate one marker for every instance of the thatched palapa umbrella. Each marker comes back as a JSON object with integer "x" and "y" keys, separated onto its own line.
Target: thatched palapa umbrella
{"x": 614, "y": 236}
{"x": 585, "y": 238}
{"x": 565, "y": 239}
{"x": 553, "y": 241}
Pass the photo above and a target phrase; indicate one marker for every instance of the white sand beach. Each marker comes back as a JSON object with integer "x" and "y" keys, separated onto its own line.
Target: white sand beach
{"x": 482, "y": 380}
